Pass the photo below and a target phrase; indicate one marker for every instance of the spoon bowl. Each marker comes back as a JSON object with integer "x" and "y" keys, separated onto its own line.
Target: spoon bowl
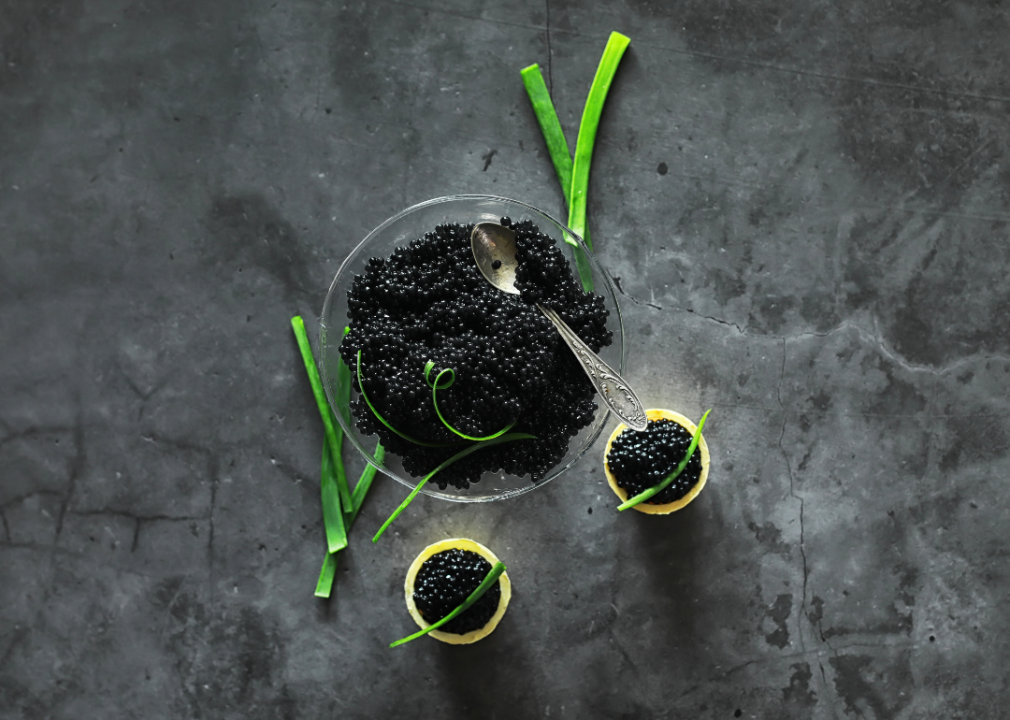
{"x": 494, "y": 249}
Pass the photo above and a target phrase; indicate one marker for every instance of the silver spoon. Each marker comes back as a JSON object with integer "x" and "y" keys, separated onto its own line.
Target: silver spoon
{"x": 494, "y": 249}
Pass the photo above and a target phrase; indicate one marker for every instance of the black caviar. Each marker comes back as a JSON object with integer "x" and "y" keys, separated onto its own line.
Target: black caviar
{"x": 445, "y": 580}
{"x": 641, "y": 460}
{"x": 429, "y": 302}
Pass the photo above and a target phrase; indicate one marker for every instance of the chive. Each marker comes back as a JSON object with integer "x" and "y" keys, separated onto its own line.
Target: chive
{"x": 333, "y": 516}
{"x": 361, "y": 387}
{"x": 334, "y": 440}
{"x": 646, "y": 494}
{"x": 557, "y": 146}
{"x": 547, "y": 117}
{"x": 574, "y": 174}
{"x": 458, "y": 456}
{"x": 364, "y": 483}
{"x": 489, "y": 580}
{"x": 435, "y": 387}
{"x": 324, "y": 585}
{"x": 616, "y": 45}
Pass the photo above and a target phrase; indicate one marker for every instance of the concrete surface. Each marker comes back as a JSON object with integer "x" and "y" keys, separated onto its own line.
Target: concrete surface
{"x": 807, "y": 207}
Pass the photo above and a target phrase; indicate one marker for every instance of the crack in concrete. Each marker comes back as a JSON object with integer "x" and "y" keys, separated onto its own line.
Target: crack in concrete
{"x": 35, "y": 431}
{"x": 7, "y": 530}
{"x": 144, "y": 396}
{"x": 792, "y": 493}
{"x": 720, "y": 321}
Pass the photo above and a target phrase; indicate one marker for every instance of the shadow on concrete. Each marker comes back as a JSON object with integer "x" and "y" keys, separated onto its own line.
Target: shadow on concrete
{"x": 480, "y": 684}
{"x": 671, "y": 550}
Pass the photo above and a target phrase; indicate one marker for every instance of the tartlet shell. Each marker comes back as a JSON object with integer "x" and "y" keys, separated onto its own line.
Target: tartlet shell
{"x": 461, "y": 544}
{"x": 666, "y": 509}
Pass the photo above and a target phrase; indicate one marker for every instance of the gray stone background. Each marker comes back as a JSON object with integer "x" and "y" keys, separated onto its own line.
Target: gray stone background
{"x": 806, "y": 204}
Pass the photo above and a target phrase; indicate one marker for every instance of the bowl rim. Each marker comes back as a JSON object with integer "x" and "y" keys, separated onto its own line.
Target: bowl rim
{"x": 352, "y": 256}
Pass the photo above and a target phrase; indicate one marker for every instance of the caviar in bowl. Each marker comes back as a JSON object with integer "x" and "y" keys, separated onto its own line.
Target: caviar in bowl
{"x": 407, "y": 241}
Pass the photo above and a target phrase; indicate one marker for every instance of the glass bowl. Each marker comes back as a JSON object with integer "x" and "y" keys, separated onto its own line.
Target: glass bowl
{"x": 413, "y": 223}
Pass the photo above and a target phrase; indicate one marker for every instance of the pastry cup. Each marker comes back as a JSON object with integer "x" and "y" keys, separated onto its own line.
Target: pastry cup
{"x": 667, "y": 508}
{"x": 460, "y": 544}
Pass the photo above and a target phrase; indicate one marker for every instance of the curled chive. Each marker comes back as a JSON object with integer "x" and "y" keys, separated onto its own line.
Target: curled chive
{"x": 408, "y": 438}
{"x": 458, "y": 456}
{"x": 489, "y": 580}
{"x": 435, "y": 387}
{"x": 646, "y": 494}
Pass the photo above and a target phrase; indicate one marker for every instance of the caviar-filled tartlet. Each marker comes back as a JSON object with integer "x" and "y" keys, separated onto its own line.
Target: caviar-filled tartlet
{"x": 637, "y": 461}
{"x": 442, "y": 577}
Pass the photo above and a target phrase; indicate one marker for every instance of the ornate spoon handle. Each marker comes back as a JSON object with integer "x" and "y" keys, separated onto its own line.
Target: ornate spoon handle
{"x": 610, "y": 386}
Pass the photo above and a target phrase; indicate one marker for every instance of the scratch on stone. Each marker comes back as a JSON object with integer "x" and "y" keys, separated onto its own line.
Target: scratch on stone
{"x": 829, "y": 76}
{"x": 49, "y": 550}
{"x": 136, "y": 516}
{"x": 465, "y": 16}
{"x": 620, "y": 289}
{"x": 873, "y": 338}
{"x": 876, "y": 339}
{"x": 624, "y": 654}
{"x": 785, "y": 658}
{"x": 210, "y": 539}
{"x": 35, "y": 493}
{"x": 76, "y": 466}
